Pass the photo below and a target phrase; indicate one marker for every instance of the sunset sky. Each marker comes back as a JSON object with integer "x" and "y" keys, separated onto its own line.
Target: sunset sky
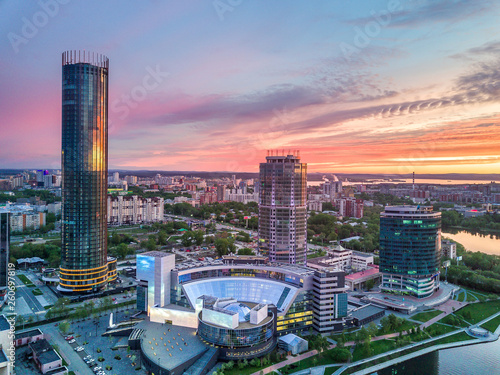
{"x": 358, "y": 86}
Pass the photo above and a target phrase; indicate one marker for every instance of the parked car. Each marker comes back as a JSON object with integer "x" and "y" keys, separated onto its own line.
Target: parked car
{"x": 67, "y": 338}
{"x": 71, "y": 341}
{"x": 79, "y": 348}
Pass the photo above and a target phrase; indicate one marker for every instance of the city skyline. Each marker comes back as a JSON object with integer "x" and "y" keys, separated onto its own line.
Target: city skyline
{"x": 380, "y": 87}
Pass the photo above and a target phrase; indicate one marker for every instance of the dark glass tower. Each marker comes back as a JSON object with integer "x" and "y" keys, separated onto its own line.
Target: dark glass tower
{"x": 4, "y": 246}
{"x": 283, "y": 209}
{"x": 84, "y": 264}
{"x": 410, "y": 250}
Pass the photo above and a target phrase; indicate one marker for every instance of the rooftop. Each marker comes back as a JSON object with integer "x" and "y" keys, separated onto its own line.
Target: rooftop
{"x": 156, "y": 254}
{"x": 30, "y": 333}
{"x": 171, "y": 345}
{"x": 44, "y": 351}
{"x": 366, "y": 311}
{"x": 4, "y": 323}
{"x": 361, "y": 274}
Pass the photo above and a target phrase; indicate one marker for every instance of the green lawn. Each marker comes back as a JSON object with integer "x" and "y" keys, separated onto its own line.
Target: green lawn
{"x": 25, "y": 280}
{"x": 471, "y": 297}
{"x": 479, "y": 311}
{"x": 331, "y": 370}
{"x": 426, "y": 315}
{"x": 480, "y": 295}
{"x": 377, "y": 347}
{"x": 454, "y": 320}
{"x": 461, "y": 297}
{"x": 462, "y": 336}
{"x": 492, "y": 325}
{"x": 441, "y": 329}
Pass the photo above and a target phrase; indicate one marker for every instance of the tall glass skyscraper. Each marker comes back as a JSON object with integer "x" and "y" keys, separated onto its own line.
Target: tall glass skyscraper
{"x": 283, "y": 209}
{"x": 4, "y": 246}
{"x": 410, "y": 248}
{"x": 84, "y": 263}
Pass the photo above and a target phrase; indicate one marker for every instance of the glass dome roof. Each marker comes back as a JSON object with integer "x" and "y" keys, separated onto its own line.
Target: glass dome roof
{"x": 239, "y": 308}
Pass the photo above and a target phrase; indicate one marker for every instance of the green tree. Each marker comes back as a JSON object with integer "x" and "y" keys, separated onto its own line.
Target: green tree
{"x": 162, "y": 238}
{"x": 221, "y": 246}
{"x": 245, "y": 251}
{"x": 187, "y": 239}
{"x": 64, "y": 327}
{"x": 199, "y": 237}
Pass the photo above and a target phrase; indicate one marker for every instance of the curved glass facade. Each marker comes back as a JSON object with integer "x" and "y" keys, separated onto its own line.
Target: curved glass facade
{"x": 239, "y": 337}
{"x": 410, "y": 239}
{"x": 262, "y": 273}
{"x": 240, "y": 308}
{"x": 84, "y": 171}
{"x": 243, "y": 289}
{"x": 409, "y": 246}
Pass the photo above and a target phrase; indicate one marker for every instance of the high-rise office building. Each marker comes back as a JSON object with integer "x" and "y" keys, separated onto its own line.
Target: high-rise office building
{"x": 283, "y": 209}
{"x": 410, "y": 250}
{"x": 4, "y": 246}
{"x": 84, "y": 262}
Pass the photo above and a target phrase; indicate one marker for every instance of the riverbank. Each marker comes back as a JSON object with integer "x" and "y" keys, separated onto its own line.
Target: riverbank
{"x": 473, "y": 231}
{"x": 416, "y": 350}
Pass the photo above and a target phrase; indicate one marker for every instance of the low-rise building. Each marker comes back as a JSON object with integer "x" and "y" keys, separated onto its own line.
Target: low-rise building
{"x": 24, "y": 338}
{"x": 6, "y": 344}
{"x": 448, "y": 249}
{"x": 45, "y": 357}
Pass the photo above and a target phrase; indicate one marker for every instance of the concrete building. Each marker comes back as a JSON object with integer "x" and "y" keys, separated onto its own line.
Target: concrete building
{"x": 22, "y": 219}
{"x": 45, "y": 357}
{"x": 342, "y": 259}
{"x": 329, "y": 301}
{"x": 134, "y": 210}
{"x": 449, "y": 249}
{"x": 315, "y": 206}
{"x": 131, "y": 180}
{"x": 24, "y": 338}
{"x": 357, "y": 281}
{"x": 350, "y": 207}
{"x": 283, "y": 209}
{"x": 154, "y": 279}
{"x": 332, "y": 189}
{"x": 221, "y": 193}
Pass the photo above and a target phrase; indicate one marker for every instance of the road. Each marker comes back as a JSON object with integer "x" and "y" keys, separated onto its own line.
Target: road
{"x": 25, "y": 292}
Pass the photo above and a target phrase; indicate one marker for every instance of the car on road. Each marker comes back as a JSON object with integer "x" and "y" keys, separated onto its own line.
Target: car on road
{"x": 67, "y": 338}
{"x": 87, "y": 357}
{"x": 79, "y": 348}
{"x": 71, "y": 341}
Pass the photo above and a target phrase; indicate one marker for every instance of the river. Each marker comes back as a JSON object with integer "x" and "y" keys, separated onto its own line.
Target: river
{"x": 479, "y": 359}
{"x": 485, "y": 243}
{"x": 409, "y": 181}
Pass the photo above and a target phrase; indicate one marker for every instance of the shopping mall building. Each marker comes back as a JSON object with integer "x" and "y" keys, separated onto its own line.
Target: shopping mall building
{"x": 240, "y": 304}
